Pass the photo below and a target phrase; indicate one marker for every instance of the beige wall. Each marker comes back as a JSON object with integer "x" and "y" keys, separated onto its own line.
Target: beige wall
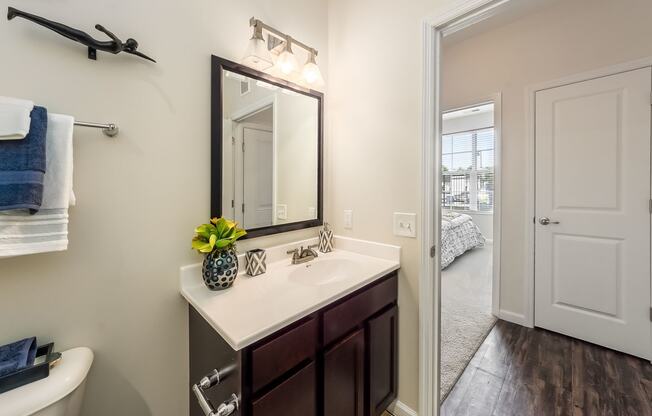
{"x": 566, "y": 38}
{"x": 139, "y": 195}
{"x": 374, "y": 164}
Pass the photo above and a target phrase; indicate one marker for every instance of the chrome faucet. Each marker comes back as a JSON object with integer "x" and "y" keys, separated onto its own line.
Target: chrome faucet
{"x": 301, "y": 255}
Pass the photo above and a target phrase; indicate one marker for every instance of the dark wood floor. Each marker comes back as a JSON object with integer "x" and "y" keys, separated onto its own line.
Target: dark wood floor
{"x": 521, "y": 371}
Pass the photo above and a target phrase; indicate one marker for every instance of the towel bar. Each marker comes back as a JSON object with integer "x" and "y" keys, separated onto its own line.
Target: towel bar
{"x": 110, "y": 130}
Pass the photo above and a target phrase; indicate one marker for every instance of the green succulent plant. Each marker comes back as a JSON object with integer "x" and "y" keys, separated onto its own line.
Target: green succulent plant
{"x": 219, "y": 234}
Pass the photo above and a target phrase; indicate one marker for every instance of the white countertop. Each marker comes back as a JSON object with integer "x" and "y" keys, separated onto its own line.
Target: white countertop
{"x": 256, "y": 307}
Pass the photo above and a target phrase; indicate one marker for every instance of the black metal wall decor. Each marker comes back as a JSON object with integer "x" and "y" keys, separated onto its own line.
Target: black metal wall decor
{"x": 114, "y": 46}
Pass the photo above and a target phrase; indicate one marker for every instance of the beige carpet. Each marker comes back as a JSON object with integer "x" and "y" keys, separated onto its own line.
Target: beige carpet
{"x": 465, "y": 312}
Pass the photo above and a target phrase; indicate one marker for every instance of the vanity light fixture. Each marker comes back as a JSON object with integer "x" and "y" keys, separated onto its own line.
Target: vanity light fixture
{"x": 259, "y": 56}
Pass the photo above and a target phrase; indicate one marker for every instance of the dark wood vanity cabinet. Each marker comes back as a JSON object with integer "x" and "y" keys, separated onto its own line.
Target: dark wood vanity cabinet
{"x": 382, "y": 346}
{"x": 339, "y": 361}
{"x": 344, "y": 376}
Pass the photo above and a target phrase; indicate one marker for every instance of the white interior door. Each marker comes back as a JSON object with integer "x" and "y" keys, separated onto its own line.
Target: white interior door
{"x": 592, "y": 268}
{"x": 258, "y": 177}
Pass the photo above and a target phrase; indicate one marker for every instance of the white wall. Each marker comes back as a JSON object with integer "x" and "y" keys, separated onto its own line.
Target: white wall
{"x": 139, "y": 195}
{"x": 485, "y": 223}
{"x": 566, "y": 38}
{"x": 468, "y": 122}
{"x": 297, "y": 156}
{"x": 374, "y": 151}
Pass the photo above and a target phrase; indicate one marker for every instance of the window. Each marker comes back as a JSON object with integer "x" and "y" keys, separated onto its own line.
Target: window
{"x": 468, "y": 170}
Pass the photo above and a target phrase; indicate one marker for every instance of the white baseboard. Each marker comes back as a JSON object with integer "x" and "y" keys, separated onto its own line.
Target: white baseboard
{"x": 401, "y": 409}
{"x": 513, "y": 317}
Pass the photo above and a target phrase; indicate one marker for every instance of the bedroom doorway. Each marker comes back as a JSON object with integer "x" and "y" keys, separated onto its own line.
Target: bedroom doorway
{"x": 470, "y": 233}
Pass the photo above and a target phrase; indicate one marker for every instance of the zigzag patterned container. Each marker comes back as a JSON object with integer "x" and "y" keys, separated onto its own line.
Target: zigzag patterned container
{"x": 256, "y": 262}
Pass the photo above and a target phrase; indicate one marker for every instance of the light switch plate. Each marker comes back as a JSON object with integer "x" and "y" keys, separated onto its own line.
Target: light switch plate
{"x": 312, "y": 213}
{"x": 281, "y": 212}
{"x": 405, "y": 224}
{"x": 348, "y": 219}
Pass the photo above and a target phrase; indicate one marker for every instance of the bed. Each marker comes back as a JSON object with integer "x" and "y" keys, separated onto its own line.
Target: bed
{"x": 458, "y": 235}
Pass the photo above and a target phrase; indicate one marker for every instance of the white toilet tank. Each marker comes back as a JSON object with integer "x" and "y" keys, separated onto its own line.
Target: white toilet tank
{"x": 58, "y": 395}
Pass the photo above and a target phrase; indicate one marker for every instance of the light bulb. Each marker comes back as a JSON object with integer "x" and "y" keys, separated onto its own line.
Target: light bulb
{"x": 286, "y": 61}
{"x": 311, "y": 73}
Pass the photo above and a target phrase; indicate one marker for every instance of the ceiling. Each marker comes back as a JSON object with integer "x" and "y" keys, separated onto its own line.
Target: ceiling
{"x": 502, "y": 15}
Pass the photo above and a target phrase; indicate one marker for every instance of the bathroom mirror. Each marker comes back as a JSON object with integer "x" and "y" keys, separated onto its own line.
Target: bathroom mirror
{"x": 266, "y": 156}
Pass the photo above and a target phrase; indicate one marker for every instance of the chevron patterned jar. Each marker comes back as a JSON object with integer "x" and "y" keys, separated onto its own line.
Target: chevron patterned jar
{"x": 256, "y": 262}
{"x": 220, "y": 268}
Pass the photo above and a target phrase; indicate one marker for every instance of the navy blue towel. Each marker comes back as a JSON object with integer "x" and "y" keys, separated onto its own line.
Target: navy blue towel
{"x": 22, "y": 166}
{"x": 17, "y": 355}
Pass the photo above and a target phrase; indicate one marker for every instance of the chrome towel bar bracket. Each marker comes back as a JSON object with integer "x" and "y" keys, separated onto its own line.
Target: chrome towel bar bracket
{"x": 110, "y": 130}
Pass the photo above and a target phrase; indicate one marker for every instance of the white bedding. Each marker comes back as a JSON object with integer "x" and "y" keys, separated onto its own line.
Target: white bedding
{"x": 458, "y": 234}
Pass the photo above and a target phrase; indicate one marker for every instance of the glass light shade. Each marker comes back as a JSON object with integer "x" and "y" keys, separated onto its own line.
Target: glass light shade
{"x": 257, "y": 55}
{"x": 312, "y": 75}
{"x": 287, "y": 62}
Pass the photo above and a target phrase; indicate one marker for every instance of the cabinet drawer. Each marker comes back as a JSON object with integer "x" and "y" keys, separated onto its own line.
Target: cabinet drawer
{"x": 342, "y": 318}
{"x": 277, "y": 356}
{"x": 297, "y": 396}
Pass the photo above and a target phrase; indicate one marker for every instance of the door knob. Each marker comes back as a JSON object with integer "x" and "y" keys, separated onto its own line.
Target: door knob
{"x": 546, "y": 221}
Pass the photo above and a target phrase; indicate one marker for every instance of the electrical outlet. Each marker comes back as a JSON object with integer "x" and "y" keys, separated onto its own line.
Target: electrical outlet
{"x": 348, "y": 219}
{"x": 312, "y": 213}
{"x": 405, "y": 225}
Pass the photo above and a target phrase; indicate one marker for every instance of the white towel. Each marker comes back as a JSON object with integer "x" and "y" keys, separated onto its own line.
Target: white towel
{"x": 14, "y": 118}
{"x": 57, "y": 183}
{"x": 47, "y": 230}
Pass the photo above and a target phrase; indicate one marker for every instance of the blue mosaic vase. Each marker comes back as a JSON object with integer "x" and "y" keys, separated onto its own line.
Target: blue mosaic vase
{"x": 220, "y": 268}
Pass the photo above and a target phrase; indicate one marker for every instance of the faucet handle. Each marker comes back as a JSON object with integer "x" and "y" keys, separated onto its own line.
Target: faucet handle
{"x": 313, "y": 246}
{"x": 296, "y": 253}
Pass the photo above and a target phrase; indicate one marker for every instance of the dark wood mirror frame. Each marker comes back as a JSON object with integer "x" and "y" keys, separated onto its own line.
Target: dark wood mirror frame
{"x": 218, "y": 65}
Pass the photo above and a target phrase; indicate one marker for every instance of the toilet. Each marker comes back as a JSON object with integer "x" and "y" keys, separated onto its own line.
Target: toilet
{"x": 60, "y": 394}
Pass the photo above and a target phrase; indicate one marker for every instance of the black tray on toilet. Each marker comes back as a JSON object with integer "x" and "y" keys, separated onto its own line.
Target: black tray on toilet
{"x": 45, "y": 358}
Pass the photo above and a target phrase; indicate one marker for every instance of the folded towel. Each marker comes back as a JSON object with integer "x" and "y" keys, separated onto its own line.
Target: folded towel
{"x": 17, "y": 355}
{"x": 22, "y": 166}
{"x": 14, "y": 118}
{"x": 57, "y": 185}
{"x": 47, "y": 230}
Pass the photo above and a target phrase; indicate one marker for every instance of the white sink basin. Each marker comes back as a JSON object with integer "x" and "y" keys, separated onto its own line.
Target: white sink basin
{"x": 324, "y": 272}
{"x": 256, "y": 307}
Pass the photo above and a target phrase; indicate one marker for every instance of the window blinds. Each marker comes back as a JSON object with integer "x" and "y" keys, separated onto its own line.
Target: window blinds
{"x": 468, "y": 170}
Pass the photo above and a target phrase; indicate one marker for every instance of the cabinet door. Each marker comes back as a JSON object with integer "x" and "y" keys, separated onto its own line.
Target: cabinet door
{"x": 344, "y": 377}
{"x": 383, "y": 342}
{"x": 297, "y": 396}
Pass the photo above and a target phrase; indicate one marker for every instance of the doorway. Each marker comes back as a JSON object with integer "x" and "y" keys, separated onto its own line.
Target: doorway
{"x": 250, "y": 168}
{"x": 518, "y": 300}
{"x": 470, "y": 233}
